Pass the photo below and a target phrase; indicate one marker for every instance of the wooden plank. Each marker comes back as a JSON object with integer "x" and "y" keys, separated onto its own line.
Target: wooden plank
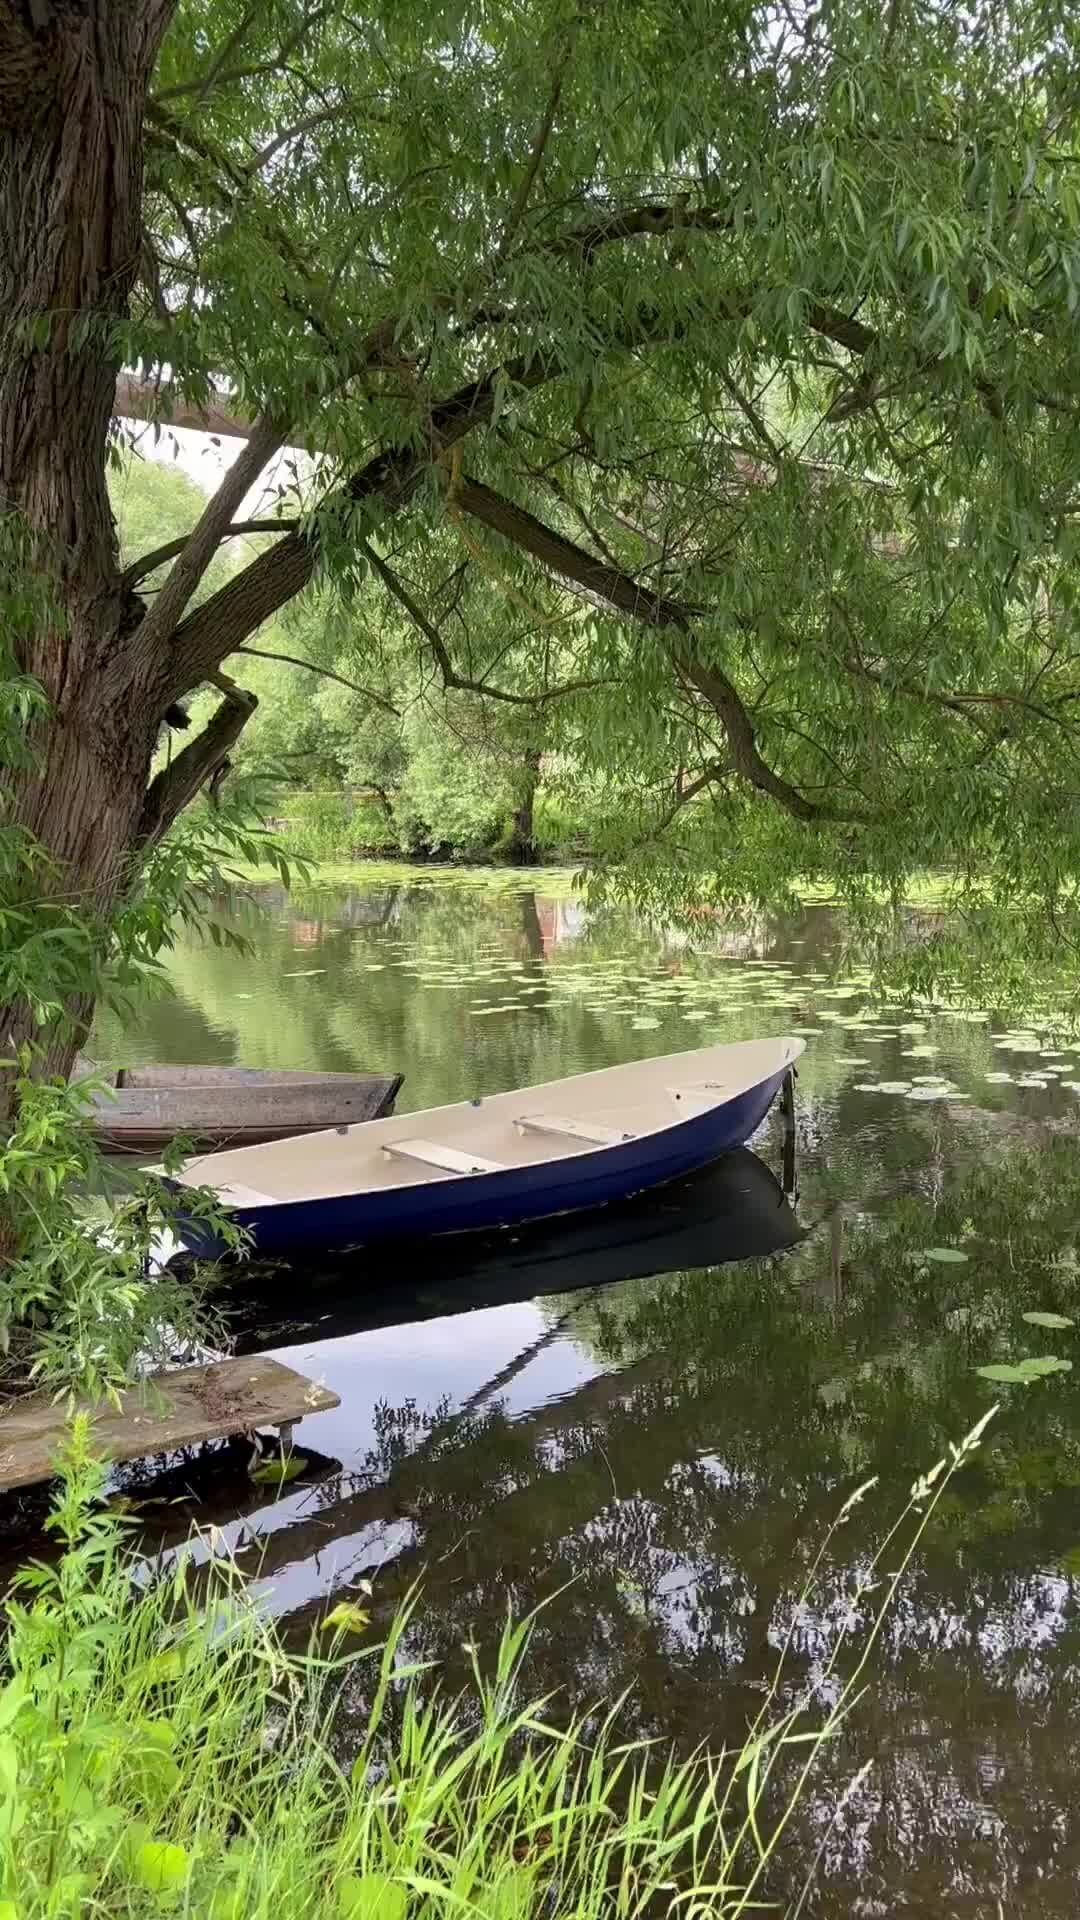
{"x": 431, "y": 1153}
{"x": 588, "y": 1130}
{"x": 167, "y": 1411}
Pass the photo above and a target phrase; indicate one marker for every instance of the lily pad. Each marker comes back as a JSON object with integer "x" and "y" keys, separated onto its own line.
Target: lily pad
{"x": 1037, "y": 1318}
{"x": 948, "y": 1256}
{"x": 1023, "y": 1372}
{"x": 644, "y": 1021}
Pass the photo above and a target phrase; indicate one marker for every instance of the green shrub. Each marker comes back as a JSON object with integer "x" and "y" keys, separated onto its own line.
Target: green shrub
{"x": 446, "y": 801}
{"x": 160, "y": 1752}
{"x": 318, "y": 826}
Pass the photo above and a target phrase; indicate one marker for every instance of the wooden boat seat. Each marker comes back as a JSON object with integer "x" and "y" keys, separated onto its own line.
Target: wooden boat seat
{"x": 236, "y": 1195}
{"x": 430, "y": 1153}
{"x": 588, "y": 1130}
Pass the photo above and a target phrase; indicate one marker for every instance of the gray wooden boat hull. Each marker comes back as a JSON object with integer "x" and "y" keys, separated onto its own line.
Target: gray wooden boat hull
{"x": 142, "y": 1108}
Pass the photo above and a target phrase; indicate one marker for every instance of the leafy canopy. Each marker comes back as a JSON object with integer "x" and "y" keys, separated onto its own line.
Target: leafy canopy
{"x": 707, "y": 374}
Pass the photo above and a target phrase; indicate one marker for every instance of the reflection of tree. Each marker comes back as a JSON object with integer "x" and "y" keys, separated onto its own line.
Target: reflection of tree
{"x": 667, "y": 1513}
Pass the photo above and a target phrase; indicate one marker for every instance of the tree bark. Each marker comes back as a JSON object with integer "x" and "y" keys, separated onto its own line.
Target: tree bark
{"x": 70, "y": 236}
{"x": 521, "y": 846}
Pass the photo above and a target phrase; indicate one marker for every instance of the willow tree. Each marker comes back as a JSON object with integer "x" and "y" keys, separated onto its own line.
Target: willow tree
{"x": 751, "y": 326}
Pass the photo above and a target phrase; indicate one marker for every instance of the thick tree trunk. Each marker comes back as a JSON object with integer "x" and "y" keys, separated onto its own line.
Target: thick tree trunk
{"x": 521, "y": 846}
{"x": 72, "y": 95}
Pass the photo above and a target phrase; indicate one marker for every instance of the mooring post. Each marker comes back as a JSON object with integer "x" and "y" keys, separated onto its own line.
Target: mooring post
{"x": 787, "y": 1109}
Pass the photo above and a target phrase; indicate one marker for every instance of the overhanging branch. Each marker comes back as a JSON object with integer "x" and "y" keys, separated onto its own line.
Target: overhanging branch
{"x": 324, "y": 673}
{"x": 451, "y": 679}
{"x": 266, "y": 439}
{"x": 672, "y": 617}
{"x": 158, "y": 556}
{"x": 171, "y": 790}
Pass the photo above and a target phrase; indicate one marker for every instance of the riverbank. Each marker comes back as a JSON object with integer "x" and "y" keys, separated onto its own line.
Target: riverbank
{"x": 164, "y": 1749}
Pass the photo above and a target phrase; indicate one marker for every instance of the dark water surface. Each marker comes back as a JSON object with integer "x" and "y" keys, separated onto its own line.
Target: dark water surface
{"x": 658, "y": 1456}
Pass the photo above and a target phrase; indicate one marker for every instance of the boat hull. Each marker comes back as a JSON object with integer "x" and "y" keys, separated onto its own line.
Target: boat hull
{"x": 734, "y": 1209}
{"x": 508, "y": 1198}
{"x": 141, "y": 1109}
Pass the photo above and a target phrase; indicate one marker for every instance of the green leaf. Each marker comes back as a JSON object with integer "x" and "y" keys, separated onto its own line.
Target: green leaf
{"x": 1023, "y": 1372}
{"x": 161, "y": 1866}
{"x": 345, "y": 1617}
{"x": 1040, "y": 1319}
{"x": 371, "y": 1896}
{"x": 11, "y": 1699}
{"x": 511, "y": 1898}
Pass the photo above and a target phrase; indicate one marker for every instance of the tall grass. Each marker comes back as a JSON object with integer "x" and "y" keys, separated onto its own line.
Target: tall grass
{"x": 161, "y": 1751}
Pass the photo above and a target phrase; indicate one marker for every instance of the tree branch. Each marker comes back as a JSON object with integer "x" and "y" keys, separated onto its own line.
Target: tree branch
{"x": 306, "y": 125}
{"x": 716, "y": 770}
{"x": 171, "y": 790}
{"x": 225, "y": 621}
{"x": 324, "y": 673}
{"x": 624, "y": 593}
{"x": 159, "y": 624}
{"x": 214, "y": 77}
{"x": 536, "y": 157}
{"x": 157, "y": 557}
{"x": 451, "y": 679}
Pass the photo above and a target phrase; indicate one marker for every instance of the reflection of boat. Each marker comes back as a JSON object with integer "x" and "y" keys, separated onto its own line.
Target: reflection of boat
{"x": 732, "y": 1210}
{"x": 142, "y": 1108}
{"x": 571, "y": 1144}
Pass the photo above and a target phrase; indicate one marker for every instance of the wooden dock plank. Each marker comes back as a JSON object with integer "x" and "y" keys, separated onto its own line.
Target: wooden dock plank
{"x": 175, "y": 1409}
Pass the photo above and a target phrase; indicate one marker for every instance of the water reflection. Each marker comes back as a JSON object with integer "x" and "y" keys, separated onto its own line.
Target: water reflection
{"x": 658, "y": 1457}
{"x": 661, "y": 1470}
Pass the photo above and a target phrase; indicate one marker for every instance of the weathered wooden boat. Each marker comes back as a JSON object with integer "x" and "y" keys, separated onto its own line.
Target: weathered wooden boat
{"x": 140, "y": 1109}
{"x": 556, "y": 1148}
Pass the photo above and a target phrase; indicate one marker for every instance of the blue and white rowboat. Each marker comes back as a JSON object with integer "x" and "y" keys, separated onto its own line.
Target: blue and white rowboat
{"x": 557, "y": 1148}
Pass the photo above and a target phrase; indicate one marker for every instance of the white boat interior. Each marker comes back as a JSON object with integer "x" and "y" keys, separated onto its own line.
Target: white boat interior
{"x": 554, "y": 1121}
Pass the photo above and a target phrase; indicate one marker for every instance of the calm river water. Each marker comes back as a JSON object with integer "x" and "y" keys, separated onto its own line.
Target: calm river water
{"x": 658, "y": 1456}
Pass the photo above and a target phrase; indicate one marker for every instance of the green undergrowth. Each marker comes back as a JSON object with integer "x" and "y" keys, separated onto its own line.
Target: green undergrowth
{"x": 161, "y": 1751}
